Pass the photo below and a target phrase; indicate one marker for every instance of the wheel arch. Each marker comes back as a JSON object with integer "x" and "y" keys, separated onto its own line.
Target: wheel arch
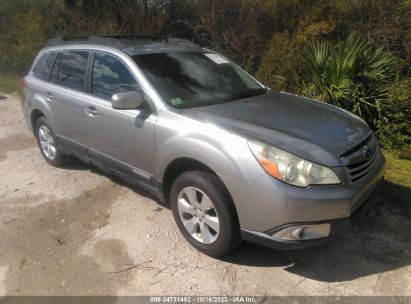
{"x": 35, "y": 115}
{"x": 177, "y": 167}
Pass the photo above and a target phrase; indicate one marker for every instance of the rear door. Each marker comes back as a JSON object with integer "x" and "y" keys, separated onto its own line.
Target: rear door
{"x": 67, "y": 97}
{"x": 121, "y": 139}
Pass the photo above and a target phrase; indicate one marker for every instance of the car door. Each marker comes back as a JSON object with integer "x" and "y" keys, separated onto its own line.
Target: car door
{"x": 66, "y": 96}
{"x": 120, "y": 139}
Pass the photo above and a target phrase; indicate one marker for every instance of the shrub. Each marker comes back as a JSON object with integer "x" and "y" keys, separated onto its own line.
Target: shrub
{"x": 394, "y": 129}
{"x": 283, "y": 54}
{"x": 353, "y": 76}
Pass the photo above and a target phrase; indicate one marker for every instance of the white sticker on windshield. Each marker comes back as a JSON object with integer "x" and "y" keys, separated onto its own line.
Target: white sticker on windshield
{"x": 216, "y": 58}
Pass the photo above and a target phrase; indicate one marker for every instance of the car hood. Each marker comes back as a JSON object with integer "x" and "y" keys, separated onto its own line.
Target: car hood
{"x": 310, "y": 129}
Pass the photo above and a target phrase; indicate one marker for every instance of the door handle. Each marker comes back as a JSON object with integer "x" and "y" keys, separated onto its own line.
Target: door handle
{"x": 48, "y": 96}
{"x": 91, "y": 111}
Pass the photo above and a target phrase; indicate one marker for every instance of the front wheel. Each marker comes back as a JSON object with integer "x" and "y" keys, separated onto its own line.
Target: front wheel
{"x": 205, "y": 213}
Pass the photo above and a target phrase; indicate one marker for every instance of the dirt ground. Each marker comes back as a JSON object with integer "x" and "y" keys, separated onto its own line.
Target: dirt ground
{"x": 76, "y": 231}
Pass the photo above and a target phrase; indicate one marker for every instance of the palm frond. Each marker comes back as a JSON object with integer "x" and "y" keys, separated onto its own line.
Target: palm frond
{"x": 352, "y": 76}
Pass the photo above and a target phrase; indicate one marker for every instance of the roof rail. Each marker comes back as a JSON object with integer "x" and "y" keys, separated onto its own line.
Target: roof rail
{"x": 115, "y": 40}
{"x": 62, "y": 40}
{"x": 181, "y": 41}
{"x": 133, "y": 37}
{"x": 104, "y": 39}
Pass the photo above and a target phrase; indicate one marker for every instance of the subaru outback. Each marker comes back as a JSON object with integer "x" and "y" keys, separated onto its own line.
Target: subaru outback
{"x": 234, "y": 160}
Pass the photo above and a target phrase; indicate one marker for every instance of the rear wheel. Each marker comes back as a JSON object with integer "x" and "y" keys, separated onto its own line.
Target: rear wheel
{"x": 204, "y": 213}
{"x": 47, "y": 144}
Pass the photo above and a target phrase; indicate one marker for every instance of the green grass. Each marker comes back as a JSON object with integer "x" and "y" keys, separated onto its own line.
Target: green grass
{"x": 398, "y": 171}
{"x": 9, "y": 83}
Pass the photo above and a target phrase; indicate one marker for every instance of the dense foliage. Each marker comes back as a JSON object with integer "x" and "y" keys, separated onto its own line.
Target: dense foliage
{"x": 353, "y": 53}
{"x": 353, "y": 76}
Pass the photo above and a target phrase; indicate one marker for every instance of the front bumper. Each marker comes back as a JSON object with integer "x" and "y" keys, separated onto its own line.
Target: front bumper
{"x": 337, "y": 227}
{"x": 266, "y": 206}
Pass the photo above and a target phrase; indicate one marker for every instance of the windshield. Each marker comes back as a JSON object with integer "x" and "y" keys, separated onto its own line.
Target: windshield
{"x": 192, "y": 79}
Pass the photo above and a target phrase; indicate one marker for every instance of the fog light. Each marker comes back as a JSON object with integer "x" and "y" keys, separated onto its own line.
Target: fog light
{"x": 303, "y": 232}
{"x": 297, "y": 233}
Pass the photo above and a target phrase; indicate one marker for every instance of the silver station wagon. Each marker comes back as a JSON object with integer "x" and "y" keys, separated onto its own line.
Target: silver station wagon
{"x": 234, "y": 159}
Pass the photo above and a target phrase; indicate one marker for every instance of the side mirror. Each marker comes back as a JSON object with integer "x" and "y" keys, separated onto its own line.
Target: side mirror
{"x": 126, "y": 100}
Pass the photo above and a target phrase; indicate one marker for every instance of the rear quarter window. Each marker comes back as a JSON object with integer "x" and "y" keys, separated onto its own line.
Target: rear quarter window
{"x": 43, "y": 66}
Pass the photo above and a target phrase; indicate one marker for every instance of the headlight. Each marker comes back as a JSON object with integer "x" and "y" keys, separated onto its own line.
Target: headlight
{"x": 290, "y": 168}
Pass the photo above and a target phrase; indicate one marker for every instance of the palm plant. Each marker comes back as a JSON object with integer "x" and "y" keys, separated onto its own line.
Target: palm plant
{"x": 353, "y": 76}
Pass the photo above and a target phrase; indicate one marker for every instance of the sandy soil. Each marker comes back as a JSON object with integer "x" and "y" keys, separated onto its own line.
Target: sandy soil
{"x": 76, "y": 231}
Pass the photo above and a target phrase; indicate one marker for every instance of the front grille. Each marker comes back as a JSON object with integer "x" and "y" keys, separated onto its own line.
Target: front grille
{"x": 361, "y": 160}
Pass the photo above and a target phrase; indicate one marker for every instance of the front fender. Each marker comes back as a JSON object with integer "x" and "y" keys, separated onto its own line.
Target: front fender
{"x": 227, "y": 154}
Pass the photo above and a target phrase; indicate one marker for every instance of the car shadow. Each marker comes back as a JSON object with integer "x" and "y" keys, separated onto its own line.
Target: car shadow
{"x": 379, "y": 241}
{"x": 76, "y": 164}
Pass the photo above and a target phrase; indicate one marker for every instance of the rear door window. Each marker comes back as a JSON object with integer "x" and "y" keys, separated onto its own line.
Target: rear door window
{"x": 70, "y": 70}
{"x": 43, "y": 67}
{"x": 111, "y": 76}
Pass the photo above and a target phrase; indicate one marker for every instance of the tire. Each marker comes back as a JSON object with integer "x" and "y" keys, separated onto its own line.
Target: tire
{"x": 202, "y": 183}
{"x": 56, "y": 159}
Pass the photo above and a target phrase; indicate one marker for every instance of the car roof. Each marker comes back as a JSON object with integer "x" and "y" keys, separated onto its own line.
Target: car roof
{"x": 133, "y": 45}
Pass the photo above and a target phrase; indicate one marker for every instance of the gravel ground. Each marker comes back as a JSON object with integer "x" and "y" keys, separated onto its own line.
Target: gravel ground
{"x": 76, "y": 231}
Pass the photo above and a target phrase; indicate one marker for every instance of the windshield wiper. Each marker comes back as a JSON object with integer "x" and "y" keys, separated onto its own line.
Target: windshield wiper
{"x": 247, "y": 94}
{"x": 252, "y": 93}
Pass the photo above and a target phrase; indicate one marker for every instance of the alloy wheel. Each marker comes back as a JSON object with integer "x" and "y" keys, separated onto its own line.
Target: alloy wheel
{"x": 47, "y": 142}
{"x": 199, "y": 215}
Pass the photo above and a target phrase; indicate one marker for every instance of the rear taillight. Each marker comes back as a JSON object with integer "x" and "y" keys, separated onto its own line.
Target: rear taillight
{"x": 23, "y": 83}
